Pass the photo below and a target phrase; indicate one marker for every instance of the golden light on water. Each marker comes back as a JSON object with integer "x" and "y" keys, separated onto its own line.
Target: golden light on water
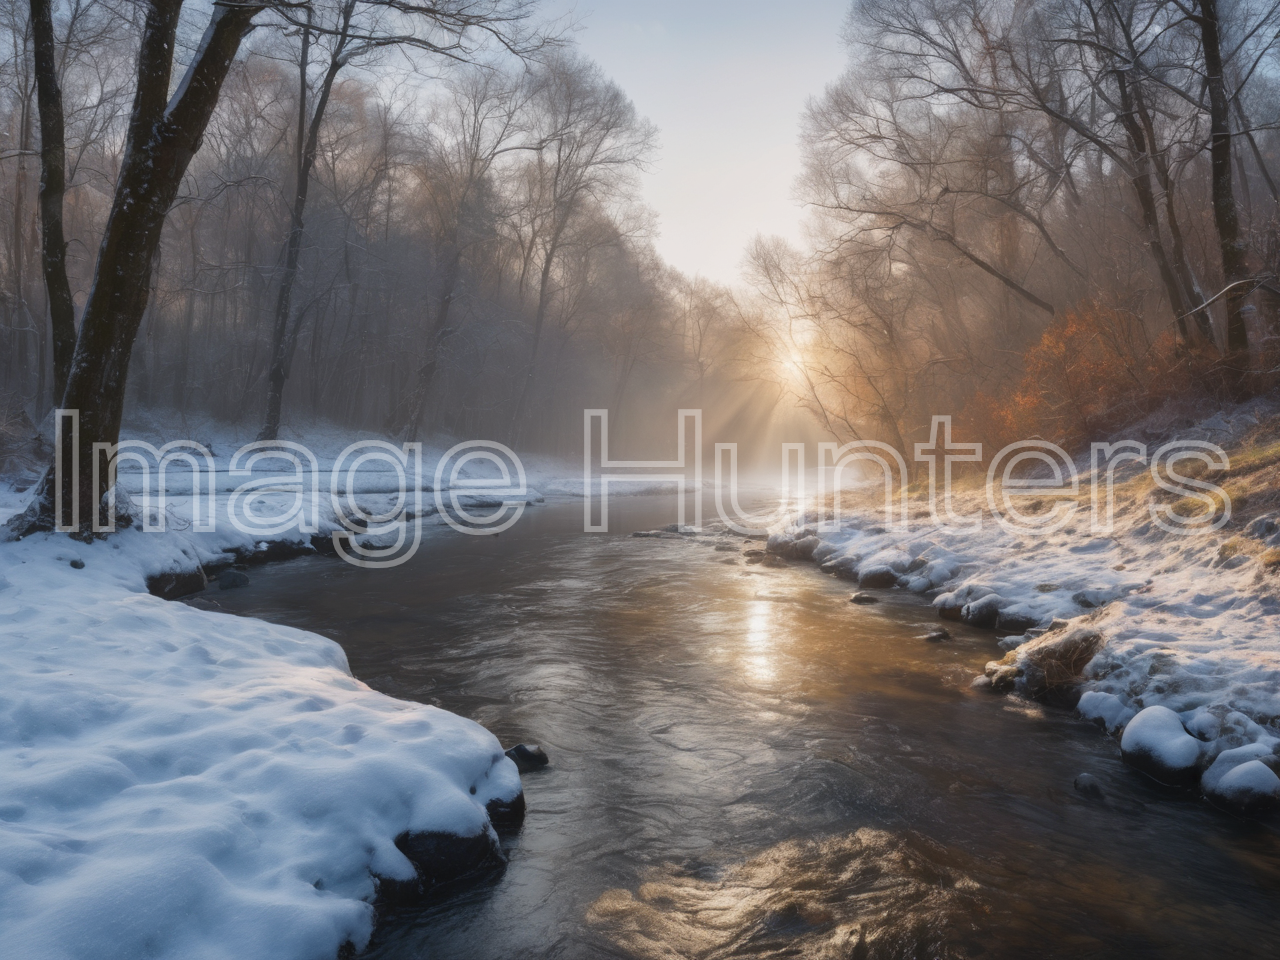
{"x": 759, "y": 642}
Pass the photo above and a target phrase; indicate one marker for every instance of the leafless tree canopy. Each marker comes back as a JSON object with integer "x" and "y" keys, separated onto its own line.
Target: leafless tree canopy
{"x": 1044, "y": 216}
{"x": 403, "y": 218}
{"x": 997, "y": 183}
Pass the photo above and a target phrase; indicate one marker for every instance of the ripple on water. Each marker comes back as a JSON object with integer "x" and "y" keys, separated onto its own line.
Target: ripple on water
{"x": 868, "y": 894}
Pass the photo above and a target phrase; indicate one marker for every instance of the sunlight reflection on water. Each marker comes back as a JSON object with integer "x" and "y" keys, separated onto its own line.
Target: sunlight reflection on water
{"x": 758, "y": 641}
{"x": 868, "y": 894}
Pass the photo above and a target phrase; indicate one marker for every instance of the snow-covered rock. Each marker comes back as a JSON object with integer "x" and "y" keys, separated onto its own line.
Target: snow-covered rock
{"x": 983, "y": 612}
{"x": 1106, "y": 708}
{"x": 1243, "y": 780}
{"x": 1155, "y": 742}
{"x": 877, "y": 577}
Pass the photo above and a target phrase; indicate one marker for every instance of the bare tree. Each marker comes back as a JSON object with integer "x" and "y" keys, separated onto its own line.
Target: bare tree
{"x": 594, "y": 141}
{"x": 53, "y": 184}
{"x": 480, "y": 122}
{"x": 355, "y": 31}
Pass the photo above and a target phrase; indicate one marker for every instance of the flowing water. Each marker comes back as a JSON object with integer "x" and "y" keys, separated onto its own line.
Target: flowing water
{"x": 743, "y": 763}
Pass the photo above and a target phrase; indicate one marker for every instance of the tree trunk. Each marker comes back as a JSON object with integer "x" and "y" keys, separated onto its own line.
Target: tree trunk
{"x": 1159, "y": 164}
{"x": 281, "y": 348}
{"x": 162, "y": 138}
{"x": 1141, "y": 181}
{"x": 1226, "y": 218}
{"x": 539, "y": 319}
{"x": 439, "y": 333}
{"x": 53, "y": 184}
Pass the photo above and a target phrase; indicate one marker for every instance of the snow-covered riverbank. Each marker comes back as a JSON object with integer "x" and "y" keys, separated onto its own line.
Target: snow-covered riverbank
{"x": 186, "y": 784}
{"x": 1186, "y": 622}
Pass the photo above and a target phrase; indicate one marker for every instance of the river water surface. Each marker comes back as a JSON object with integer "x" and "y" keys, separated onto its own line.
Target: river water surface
{"x": 743, "y": 763}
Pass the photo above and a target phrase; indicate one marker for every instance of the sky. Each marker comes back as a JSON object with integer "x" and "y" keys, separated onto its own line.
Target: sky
{"x": 726, "y": 84}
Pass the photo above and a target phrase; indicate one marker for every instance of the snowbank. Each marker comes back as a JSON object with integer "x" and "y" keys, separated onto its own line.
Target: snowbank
{"x": 180, "y": 783}
{"x": 1190, "y": 623}
{"x": 177, "y": 783}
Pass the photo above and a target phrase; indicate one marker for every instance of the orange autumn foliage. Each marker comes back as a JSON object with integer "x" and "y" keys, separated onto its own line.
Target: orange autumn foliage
{"x": 1091, "y": 372}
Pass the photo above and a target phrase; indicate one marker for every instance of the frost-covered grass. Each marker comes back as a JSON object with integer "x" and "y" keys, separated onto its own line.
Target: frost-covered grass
{"x": 1188, "y": 622}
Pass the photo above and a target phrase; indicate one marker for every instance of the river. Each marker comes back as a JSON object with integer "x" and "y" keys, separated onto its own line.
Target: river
{"x": 743, "y": 763}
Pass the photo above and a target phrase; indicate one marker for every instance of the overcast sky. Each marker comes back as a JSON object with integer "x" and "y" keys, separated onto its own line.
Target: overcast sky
{"x": 725, "y": 83}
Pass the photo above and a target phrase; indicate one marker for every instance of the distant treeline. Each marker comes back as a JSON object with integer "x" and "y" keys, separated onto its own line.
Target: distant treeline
{"x": 381, "y": 235}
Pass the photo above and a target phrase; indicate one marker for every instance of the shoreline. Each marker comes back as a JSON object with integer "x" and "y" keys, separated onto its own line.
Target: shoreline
{"x": 162, "y": 761}
{"x": 1111, "y": 625}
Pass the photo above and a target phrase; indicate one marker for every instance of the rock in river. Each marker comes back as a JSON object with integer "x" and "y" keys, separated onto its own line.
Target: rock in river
{"x": 1244, "y": 781}
{"x": 230, "y": 579}
{"x": 1087, "y": 786}
{"x": 1156, "y": 743}
{"x": 983, "y": 612}
{"x": 877, "y": 577}
{"x": 528, "y": 757}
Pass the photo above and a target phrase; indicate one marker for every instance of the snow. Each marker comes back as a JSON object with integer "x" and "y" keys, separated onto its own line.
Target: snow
{"x": 1190, "y": 625}
{"x": 1106, "y": 708}
{"x": 1155, "y": 742}
{"x": 179, "y": 783}
{"x": 1250, "y": 783}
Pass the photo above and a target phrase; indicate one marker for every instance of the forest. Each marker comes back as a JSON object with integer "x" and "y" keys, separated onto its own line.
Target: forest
{"x": 1044, "y": 218}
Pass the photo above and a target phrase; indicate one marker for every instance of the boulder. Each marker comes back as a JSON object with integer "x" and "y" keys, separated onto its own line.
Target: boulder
{"x": 1087, "y": 786}
{"x": 1106, "y": 709}
{"x": 231, "y": 579}
{"x": 940, "y": 571}
{"x": 506, "y": 814}
{"x": 803, "y": 548}
{"x": 1243, "y": 781}
{"x": 180, "y": 583}
{"x": 1262, "y": 528}
{"x": 983, "y": 612}
{"x": 939, "y": 635}
{"x": 780, "y": 545}
{"x": 1155, "y": 743}
{"x": 1012, "y": 621}
{"x": 438, "y": 858}
{"x": 824, "y": 552}
{"x": 1002, "y": 674}
{"x": 1101, "y": 596}
{"x": 877, "y": 578}
{"x": 846, "y": 568}
{"x": 77, "y": 564}
{"x": 322, "y": 543}
{"x": 863, "y": 598}
{"x": 528, "y": 757}
{"x": 1049, "y": 665}
{"x": 950, "y": 611}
